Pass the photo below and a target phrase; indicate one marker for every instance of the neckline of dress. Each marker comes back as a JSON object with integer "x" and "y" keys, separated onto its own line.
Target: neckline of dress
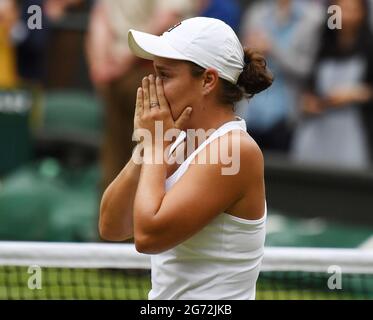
{"x": 242, "y": 124}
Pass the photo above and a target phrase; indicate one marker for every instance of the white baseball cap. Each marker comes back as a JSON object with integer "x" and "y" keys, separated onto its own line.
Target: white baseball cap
{"x": 208, "y": 42}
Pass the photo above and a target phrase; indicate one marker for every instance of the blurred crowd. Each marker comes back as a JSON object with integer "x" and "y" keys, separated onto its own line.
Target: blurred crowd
{"x": 22, "y": 50}
{"x": 319, "y": 110}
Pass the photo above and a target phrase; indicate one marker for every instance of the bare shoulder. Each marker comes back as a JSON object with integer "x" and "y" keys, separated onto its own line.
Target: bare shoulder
{"x": 250, "y": 178}
{"x": 251, "y": 158}
{"x": 250, "y": 150}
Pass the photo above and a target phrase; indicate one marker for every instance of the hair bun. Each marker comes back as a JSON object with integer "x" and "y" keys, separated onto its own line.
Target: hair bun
{"x": 255, "y": 76}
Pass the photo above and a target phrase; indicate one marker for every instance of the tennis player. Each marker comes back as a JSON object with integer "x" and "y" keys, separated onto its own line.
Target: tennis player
{"x": 205, "y": 230}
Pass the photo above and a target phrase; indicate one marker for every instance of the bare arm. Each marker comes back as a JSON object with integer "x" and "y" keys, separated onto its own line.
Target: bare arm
{"x": 104, "y": 66}
{"x": 116, "y": 212}
{"x": 338, "y": 98}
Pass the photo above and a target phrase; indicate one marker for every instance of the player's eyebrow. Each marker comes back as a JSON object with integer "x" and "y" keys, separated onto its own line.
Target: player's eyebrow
{"x": 161, "y": 68}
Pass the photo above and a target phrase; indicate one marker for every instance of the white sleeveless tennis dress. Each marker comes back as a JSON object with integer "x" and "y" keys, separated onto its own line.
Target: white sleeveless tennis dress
{"x": 220, "y": 262}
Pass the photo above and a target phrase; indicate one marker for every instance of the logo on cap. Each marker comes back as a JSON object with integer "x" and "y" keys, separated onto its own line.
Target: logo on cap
{"x": 175, "y": 26}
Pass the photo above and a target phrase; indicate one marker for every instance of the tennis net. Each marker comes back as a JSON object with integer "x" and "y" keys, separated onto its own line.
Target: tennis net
{"x": 116, "y": 271}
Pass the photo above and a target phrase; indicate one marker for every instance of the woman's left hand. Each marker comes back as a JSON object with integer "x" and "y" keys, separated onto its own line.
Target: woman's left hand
{"x": 153, "y": 107}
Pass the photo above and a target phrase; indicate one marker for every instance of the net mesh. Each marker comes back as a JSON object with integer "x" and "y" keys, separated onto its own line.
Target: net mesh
{"x": 117, "y": 271}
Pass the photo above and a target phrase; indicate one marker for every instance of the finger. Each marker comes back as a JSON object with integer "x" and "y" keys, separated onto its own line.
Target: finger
{"x": 145, "y": 89}
{"x": 160, "y": 94}
{"x": 184, "y": 117}
{"x": 152, "y": 91}
{"x": 139, "y": 102}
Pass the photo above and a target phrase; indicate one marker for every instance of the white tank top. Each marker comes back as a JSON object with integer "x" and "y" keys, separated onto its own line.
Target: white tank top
{"x": 220, "y": 262}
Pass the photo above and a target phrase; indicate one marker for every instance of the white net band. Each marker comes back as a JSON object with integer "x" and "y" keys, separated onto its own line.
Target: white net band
{"x": 125, "y": 256}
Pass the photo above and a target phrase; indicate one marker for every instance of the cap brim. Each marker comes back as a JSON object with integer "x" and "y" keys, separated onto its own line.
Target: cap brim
{"x": 148, "y": 46}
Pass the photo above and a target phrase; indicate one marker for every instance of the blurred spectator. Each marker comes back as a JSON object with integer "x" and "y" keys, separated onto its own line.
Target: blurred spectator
{"x": 331, "y": 131}
{"x": 286, "y": 32}
{"x": 225, "y": 10}
{"x": 32, "y": 44}
{"x": 116, "y": 73}
{"x": 8, "y": 19}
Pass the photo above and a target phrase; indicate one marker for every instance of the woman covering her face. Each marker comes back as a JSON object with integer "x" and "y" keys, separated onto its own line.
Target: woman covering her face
{"x": 202, "y": 216}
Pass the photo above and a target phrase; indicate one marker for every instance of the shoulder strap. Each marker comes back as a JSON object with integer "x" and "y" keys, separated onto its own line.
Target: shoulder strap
{"x": 229, "y": 126}
{"x": 178, "y": 141}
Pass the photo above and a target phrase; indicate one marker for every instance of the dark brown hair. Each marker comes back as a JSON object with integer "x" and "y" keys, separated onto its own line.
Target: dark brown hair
{"x": 254, "y": 78}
